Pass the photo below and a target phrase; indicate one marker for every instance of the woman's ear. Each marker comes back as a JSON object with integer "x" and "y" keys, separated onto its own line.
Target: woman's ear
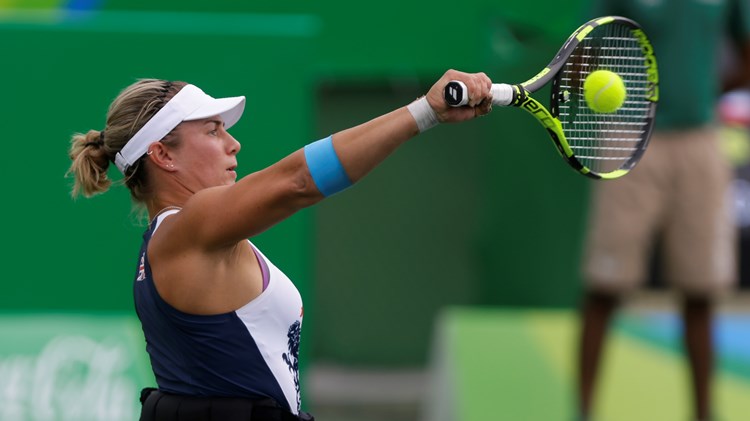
{"x": 161, "y": 156}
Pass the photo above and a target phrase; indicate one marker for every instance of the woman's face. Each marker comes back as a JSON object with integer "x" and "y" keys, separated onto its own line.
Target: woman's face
{"x": 206, "y": 155}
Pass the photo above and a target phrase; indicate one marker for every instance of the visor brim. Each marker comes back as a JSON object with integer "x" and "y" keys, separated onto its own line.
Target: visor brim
{"x": 230, "y": 109}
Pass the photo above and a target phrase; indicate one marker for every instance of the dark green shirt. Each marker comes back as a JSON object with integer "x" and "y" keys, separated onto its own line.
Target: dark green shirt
{"x": 687, "y": 36}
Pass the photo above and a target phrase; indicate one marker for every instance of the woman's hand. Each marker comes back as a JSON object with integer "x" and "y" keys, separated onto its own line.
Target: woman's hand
{"x": 480, "y": 97}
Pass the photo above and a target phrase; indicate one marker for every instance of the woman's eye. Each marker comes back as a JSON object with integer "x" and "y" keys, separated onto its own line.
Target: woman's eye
{"x": 213, "y": 132}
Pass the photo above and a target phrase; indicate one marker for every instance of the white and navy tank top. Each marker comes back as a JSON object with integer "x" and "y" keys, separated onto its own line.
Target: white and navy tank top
{"x": 252, "y": 352}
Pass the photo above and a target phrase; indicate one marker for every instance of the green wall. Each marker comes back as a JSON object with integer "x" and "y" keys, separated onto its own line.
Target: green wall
{"x": 59, "y": 77}
{"x": 400, "y": 245}
{"x": 393, "y": 38}
{"x": 481, "y": 213}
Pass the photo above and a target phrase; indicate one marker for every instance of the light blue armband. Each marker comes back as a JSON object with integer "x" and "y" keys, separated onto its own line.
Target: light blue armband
{"x": 326, "y": 169}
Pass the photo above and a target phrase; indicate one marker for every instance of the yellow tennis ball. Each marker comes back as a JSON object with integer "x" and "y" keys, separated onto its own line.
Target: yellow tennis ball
{"x": 604, "y": 91}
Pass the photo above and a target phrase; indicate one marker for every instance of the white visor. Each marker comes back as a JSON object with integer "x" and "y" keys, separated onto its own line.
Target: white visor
{"x": 190, "y": 103}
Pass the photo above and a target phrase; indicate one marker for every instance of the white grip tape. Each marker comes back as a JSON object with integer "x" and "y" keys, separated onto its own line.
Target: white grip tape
{"x": 502, "y": 94}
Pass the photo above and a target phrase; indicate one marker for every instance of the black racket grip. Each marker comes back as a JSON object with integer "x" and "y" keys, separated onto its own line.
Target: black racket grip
{"x": 456, "y": 94}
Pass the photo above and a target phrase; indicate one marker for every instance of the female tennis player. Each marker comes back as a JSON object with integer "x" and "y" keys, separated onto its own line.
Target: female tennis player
{"x": 222, "y": 323}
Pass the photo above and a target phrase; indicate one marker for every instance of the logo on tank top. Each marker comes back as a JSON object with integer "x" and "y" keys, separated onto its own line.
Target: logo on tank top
{"x": 141, "y": 270}
{"x": 292, "y": 358}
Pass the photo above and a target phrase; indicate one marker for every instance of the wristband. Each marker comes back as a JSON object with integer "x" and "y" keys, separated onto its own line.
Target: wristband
{"x": 325, "y": 167}
{"x": 423, "y": 114}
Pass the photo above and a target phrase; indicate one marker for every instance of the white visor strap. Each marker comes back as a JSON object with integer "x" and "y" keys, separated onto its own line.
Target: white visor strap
{"x": 174, "y": 112}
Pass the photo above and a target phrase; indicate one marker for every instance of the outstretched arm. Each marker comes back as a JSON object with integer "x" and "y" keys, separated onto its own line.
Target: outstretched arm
{"x": 222, "y": 216}
{"x": 363, "y": 147}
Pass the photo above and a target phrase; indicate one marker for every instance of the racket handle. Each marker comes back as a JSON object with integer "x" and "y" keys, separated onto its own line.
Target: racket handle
{"x": 502, "y": 94}
{"x": 456, "y": 94}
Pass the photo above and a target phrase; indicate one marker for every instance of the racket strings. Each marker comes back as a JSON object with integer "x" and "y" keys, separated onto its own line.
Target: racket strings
{"x": 606, "y": 142}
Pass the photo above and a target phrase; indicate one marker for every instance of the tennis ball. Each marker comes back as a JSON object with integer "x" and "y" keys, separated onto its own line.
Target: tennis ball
{"x": 604, "y": 91}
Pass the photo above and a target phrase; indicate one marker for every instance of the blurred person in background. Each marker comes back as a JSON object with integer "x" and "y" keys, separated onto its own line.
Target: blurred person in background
{"x": 222, "y": 324}
{"x": 676, "y": 197}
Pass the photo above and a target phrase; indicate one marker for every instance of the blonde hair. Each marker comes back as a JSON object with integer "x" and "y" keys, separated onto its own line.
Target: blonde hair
{"x": 93, "y": 152}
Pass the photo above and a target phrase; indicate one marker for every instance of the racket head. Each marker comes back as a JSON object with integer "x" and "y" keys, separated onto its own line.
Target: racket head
{"x": 602, "y": 145}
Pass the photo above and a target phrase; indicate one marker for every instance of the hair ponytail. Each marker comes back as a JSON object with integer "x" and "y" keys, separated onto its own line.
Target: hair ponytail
{"x": 90, "y": 163}
{"x": 92, "y": 153}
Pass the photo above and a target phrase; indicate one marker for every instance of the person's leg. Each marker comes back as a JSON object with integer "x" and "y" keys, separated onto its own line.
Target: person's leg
{"x": 700, "y": 249}
{"x": 697, "y": 315}
{"x": 596, "y": 314}
{"x": 624, "y": 216}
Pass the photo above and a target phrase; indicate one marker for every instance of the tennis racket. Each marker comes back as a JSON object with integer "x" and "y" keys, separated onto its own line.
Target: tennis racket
{"x": 598, "y": 145}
